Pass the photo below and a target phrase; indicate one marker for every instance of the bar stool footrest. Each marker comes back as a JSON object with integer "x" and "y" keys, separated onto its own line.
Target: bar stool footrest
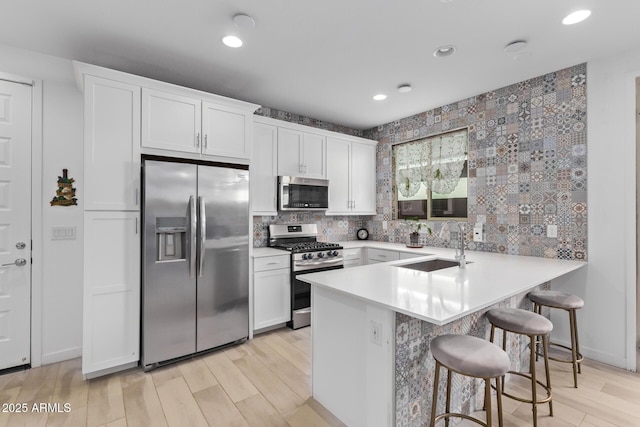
{"x": 579, "y": 356}
{"x": 457, "y": 415}
{"x": 523, "y": 400}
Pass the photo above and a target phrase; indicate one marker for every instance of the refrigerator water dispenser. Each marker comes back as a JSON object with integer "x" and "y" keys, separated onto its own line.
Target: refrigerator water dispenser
{"x": 171, "y": 238}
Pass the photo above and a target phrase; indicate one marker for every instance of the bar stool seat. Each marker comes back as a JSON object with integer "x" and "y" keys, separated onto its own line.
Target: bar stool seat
{"x": 556, "y": 299}
{"x": 472, "y": 357}
{"x": 533, "y": 325}
{"x": 570, "y": 303}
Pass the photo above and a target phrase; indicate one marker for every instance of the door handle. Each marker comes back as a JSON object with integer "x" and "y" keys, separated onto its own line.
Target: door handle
{"x": 20, "y": 262}
{"x": 192, "y": 236}
{"x": 203, "y": 234}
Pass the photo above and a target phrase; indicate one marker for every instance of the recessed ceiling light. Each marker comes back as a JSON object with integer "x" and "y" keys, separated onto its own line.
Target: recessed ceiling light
{"x": 444, "y": 51}
{"x": 232, "y": 41}
{"x": 380, "y": 97}
{"x": 244, "y": 21}
{"x": 515, "y": 46}
{"x": 404, "y": 88}
{"x": 575, "y": 17}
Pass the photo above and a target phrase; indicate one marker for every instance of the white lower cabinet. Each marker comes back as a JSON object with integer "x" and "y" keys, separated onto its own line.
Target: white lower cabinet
{"x": 271, "y": 291}
{"x": 352, "y": 257}
{"x": 111, "y": 312}
{"x": 375, "y": 255}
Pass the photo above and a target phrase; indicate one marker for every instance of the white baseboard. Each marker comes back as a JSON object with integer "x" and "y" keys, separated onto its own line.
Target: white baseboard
{"x": 598, "y": 356}
{"x": 61, "y": 356}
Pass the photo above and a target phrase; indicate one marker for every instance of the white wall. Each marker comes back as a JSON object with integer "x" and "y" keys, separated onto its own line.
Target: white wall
{"x": 607, "y": 325}
{"x": 61, "y": 263}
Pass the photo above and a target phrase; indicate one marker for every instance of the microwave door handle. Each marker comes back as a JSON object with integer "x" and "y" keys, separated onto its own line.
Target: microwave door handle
{"x": 203, "y": 234}
{"x": 192, "y": 236}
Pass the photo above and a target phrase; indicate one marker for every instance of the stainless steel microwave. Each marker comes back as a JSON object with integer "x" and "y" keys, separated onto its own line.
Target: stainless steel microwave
{"x": 300, "y": 194}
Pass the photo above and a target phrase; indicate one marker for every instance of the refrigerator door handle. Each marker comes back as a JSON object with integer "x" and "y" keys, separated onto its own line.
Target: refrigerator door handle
{"x": 192, "y": 236}
{"x": 203, "y": 234}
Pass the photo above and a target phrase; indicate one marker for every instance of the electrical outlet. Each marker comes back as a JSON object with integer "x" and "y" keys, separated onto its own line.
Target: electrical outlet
{"x": 375, "y": 332}
{"x": 552, "y": 231}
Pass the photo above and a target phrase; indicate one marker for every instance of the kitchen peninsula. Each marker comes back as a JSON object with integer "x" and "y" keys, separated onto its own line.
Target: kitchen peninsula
{"x": 372, "y": 324}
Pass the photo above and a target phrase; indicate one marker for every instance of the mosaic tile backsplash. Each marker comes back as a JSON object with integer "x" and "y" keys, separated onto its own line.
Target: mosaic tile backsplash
{"x": 527, "y": 169}
{"x": 527, "y": 165}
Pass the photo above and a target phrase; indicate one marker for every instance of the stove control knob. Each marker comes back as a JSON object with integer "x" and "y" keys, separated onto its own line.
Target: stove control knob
{"x": 310, "y": 256}
{"x": 304, "y": 256}
{"x": 334, "y": 253}
{"x": 320, "y": 254}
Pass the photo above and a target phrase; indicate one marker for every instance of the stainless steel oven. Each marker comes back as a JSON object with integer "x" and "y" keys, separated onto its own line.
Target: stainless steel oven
{"x": 307, "y": 256}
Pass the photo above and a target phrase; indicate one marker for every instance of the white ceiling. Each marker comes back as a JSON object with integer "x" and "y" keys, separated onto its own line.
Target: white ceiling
{"x": 325, "y": 59}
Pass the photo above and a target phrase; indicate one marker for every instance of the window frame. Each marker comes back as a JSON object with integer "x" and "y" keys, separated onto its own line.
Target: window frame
{"x": 396, "y": 208}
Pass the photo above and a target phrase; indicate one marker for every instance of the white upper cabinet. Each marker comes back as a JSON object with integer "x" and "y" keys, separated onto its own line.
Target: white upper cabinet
{"x": 264, "y": 163}
{"x": 301, "y": 153}
{"x": 171, "y": 122}
{"x": 175, "y": 122}
{"x": 112, "y": 145}
{"x": 351, "y": 170}
{"x": 226, "y": 131}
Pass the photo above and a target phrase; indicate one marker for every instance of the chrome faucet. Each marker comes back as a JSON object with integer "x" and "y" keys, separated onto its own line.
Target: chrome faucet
{"x": 462, "y": 262}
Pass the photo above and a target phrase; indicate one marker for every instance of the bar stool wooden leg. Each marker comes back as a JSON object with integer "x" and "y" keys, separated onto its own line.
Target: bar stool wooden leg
{"x": 487, "y": 399}
{"x": 532, "y": 371}
{"x": 574, "y": 346}
{"x": 436, "y": 381}
{"x": 499, "y": 400}
{"x": 448, "y": 403}
{"x": 545, "y": 346}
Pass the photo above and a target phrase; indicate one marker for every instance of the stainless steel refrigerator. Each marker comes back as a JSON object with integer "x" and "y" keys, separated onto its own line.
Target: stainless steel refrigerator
{"x": 195, "y": 270}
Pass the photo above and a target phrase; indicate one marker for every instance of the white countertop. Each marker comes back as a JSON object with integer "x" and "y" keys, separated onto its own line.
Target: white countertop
{"x": 445, "y": 295}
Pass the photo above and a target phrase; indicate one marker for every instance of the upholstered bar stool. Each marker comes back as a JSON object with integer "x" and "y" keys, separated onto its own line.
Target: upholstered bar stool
{"x": 533, "y": 325}
{"x": 570, "y": 303}
{"x": 473, "y": 357}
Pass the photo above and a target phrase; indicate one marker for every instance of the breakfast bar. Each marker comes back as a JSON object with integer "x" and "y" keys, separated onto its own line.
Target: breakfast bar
{"x": 372, "y": 326}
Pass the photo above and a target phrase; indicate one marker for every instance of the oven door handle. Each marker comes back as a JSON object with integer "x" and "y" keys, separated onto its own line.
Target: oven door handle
{"x": 330, "y": 262}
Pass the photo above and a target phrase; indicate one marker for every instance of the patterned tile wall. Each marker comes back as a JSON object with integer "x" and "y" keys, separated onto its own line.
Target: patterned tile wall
{"x": 527, "y": 169}
{"x": 527, "y": 165}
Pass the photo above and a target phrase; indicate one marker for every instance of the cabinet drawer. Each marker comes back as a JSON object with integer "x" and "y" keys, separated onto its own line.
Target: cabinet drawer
{"x": 382, "y": 255}
{"x": 351, "y": 254}
{"x": 271, "y": 263}
{"x": 407, "y": 255}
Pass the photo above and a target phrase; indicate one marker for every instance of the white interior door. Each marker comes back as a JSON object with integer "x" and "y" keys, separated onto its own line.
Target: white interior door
{"x": 15, "y": 224}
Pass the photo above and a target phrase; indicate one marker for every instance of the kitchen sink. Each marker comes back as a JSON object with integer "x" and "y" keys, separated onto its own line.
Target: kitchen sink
{"x": 431, "y": 265}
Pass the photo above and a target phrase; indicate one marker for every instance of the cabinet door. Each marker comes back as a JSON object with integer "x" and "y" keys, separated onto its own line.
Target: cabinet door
{"x": 225, "y": 131}
{"x": 264, "y": 163}
{"x": 171, "y": 122}
{"x": 314, "y": 155}
{"x": 111, "y": 312}
{"x": 111, "y": 145}
{"x": 272, "y": 298}
{"x": 338, "y": 160}
{"x": 289, "y": 152}
{"x": 363, "y": 178}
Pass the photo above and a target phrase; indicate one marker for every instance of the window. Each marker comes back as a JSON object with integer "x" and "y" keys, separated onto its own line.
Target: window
{"x": 430, "y": 177}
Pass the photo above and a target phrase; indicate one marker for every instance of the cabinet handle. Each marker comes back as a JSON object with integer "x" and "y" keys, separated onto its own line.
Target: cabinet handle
{"x": 136, "y": 197}
{"x": 205, "y": 141}
{"x": 273, "y": 263}
{"x": 198, "y": 140}
{"x": 136, "y": 225}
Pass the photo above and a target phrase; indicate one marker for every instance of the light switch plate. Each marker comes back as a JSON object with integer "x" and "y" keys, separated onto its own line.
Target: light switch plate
{"x": 552, "y": 231}
{"x": 63, "y": 233}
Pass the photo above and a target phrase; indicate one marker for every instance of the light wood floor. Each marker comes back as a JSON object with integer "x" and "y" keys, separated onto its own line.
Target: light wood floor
{"x": 266, "y": 382}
